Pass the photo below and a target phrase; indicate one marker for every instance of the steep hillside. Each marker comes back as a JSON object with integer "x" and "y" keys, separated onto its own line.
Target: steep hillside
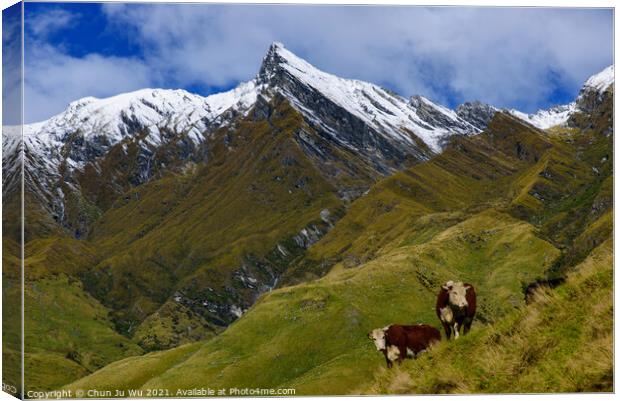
{"x": 78, "y": 162}
{"x": 561, "y": 342}
{"x": 68, "y": 332}
{"x": 216, "y": 237}
{"x": 190, "y": 207}
{"x": 470, "y": 175}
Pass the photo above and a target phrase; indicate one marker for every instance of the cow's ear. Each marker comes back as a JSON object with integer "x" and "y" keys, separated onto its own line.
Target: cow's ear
{"x": 467, "y": 287}
{"x": 445, "y": 287}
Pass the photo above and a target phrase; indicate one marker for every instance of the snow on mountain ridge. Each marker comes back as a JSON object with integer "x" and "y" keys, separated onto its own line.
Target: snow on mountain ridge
{"x": 384, "y": 111}
{"x": 547, "y": 118}
{"x": 109, "y": 120}
{"x": 152, "y": 109}
{"x": 559, "y": 115}
{"x": 145, "y": 108}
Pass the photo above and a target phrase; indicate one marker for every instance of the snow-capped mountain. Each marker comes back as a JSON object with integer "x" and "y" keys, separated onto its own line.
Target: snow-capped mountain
{"x": 589, "y": 95}
{"x": 480, "y": 114}
{"x": 547, "y": 118}
{"x": 594, "y": 90}
{"x": 390, "y": 116}
{"x": 104, "y": 122}
{"x": 108, "y": 121}
{"x": 382, "y": 130}
{"x": 476, "y": 113}
{"x": 601, "y": 81}
{"x": 202, "y": 204}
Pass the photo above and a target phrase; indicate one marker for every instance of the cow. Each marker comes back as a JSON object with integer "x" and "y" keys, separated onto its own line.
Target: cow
{"x": 398, "y": 341}
{"x": 456, "y": 307}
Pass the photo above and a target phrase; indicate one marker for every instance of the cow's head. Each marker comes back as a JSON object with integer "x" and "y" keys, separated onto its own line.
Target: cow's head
{"x": 377, "y": 336}
{"x": 457, "y": 293}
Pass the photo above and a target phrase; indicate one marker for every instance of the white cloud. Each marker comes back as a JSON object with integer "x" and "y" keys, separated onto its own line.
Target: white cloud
{"x": 499, "y": 55}
{"x": 53, "y": 79}
{"x": 42, "y": 24}
{"x": 504, "y": 56}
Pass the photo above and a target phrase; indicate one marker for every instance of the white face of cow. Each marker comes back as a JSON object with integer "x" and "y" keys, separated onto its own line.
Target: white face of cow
{"x": 457, "y": 293}
{"x": 378, "y": 338}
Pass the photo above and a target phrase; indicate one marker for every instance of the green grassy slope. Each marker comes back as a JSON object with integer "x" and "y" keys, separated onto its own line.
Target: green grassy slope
{"x": 11, "y": 313}
{"x": 561, "y": 342}
{"x": 312, "y": 336}
{"x": 190, "y": 233}
{"x": 469, "y": 176}
{"x": 68, "y": 332}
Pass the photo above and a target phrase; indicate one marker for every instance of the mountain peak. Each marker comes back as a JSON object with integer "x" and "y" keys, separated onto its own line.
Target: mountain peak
{"x": 279, "y": 58}
{"x": 275, "y": 46}
{"x": 602, "y": 80}
{"x": 272, "y": 60}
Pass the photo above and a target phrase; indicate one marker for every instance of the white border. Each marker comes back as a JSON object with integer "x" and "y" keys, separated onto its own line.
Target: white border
{"x": 483, "y": 3}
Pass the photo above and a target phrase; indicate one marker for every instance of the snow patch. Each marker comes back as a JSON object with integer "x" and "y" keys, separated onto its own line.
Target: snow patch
{"x": 544, "y": 119}
{"x": 237, "y": 311}
{"x": 602, "y": 80}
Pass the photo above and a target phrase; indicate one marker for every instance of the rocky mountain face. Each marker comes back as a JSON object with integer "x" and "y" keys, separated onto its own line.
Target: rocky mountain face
{"x": 515, "y": 210}
{"x": 99, "y": 148}
{"x": 476, "y": 113}
{"x": 591, "y": 97}
{"x": 91, "y": 166}
{"x": 384, "y": 129}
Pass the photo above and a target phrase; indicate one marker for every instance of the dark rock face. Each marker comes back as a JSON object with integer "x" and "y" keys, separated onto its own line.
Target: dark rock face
{"x": 476, "y": 113}
{"x": 255, "y": 276}
{"x": 336, "y": 124}
{"x": 590, "y": 99}
{"x": 594, "y": 110}
{"x": 434, "y": 118}
{"x": 95, "y": 169}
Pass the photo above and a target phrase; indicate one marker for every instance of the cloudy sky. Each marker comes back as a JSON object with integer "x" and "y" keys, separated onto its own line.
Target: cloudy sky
{"x": 521, "y": 58}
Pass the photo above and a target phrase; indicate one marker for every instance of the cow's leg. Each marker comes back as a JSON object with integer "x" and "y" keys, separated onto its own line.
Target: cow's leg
{"x": 456, "y": 330}
{"x": 387, "y": 359}
{"x": 467, "y": 326}
{"x": 402, "y": 354}
{"x": 447, "y": 329}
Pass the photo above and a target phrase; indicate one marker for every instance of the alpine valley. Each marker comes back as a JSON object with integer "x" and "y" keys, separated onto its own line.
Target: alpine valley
{"x": 252, "y": 238}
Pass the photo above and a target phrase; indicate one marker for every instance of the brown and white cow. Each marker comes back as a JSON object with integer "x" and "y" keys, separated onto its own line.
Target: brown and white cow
{"x": 456, "y": 307}
{"x": 398, "y": 341}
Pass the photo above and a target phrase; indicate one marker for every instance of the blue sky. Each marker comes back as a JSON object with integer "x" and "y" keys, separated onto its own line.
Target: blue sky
{"x": 524, "y": 58}
{"x": 11, "y": 66}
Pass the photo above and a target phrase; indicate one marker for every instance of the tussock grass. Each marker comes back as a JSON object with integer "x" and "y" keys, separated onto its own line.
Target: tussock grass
{"x": 560, "y": 342}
